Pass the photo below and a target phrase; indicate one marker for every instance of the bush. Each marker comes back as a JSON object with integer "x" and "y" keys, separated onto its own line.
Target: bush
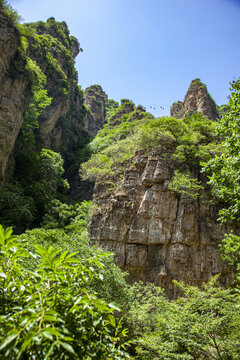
{"x": 51, "y": 312}
{"x": 183, "y": 184}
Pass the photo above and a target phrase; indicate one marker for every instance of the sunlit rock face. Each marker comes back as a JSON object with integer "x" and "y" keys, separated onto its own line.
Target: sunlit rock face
{"x": 156, "y": 235}
{"x": 12, "y": 88}
{"x": 197, "y": 99}
{"x": 96, "y": 100}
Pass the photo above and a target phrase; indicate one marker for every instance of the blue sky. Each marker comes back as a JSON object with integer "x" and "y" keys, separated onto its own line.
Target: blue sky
{"x": 149, "y": 50}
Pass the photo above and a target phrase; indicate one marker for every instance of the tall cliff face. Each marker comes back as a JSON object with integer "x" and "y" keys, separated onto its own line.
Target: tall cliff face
{"x": 197, "y": 99}
{"x": 66, "y": 124}
{"x": 72, "y": 110}
{"x": 12, "y": 91}
{"x": 54, "y": 50}
{"x": 156, "y": 235}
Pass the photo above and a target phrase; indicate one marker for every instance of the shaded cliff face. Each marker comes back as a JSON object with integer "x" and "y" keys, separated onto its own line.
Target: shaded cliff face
{"x": 156, "y": 235}
{"x": 67, "y": 123}
{"x": 12, "y": 89}
{"x": 197, "y": 99}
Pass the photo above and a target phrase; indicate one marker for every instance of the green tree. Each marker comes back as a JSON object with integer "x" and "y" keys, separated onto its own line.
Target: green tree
{"x": 200, "y": 325}
{"x": 225, "y": 168}
{"x": 225, "y": 174}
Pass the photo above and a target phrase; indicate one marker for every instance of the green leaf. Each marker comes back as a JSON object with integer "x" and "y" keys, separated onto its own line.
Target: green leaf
{"x": 112, "y": 320}
{"x": 114, "y": 306}
{"x": 67, "y": 347}
{"x": 9, "y": 339}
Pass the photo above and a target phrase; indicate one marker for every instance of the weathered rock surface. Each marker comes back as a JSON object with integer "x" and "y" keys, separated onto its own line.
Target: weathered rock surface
{"x": 196, "y": 99}
{"x": 60, "y": 124}
{"x": 63, "y": 126}
{"x": 12, "y": 88}
{"x": 156, "y": 235}
{"x": 96, "y": 100}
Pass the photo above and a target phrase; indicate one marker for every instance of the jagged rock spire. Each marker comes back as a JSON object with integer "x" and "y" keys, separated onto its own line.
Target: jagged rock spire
{"x": 197, "y": 99}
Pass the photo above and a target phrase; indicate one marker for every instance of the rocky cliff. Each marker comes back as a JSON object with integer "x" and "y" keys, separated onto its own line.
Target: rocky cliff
{"x": 156, "y": 235}
{"x": 197, "y": 99}
{"x": 96, "y": 100}
{"x": 13, "y": 84}
{"x": 54, "y": 50}
{"x": 72, "y": 117}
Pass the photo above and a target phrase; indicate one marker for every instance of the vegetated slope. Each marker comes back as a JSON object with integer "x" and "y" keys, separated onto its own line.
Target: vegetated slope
{"x": 153, "y": 206}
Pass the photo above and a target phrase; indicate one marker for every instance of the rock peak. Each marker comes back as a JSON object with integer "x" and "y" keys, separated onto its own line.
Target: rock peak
{"x": 197, "y": 99}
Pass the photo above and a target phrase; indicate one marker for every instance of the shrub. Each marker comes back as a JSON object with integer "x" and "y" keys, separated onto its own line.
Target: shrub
{"x": 183, "y": 184}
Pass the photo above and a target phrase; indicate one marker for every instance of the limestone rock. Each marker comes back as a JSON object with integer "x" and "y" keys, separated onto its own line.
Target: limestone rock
{"x": 61, "y": 123}
{"x": 12, "y": 88}
{"x": 96, "y": 100}
{"x": 156, "y": 235}
{"x": 197, "y": 99}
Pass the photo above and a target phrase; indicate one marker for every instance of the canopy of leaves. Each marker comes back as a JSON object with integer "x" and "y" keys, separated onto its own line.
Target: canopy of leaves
{"x": 40, "y": 177}
{"x": 202, "y": 324}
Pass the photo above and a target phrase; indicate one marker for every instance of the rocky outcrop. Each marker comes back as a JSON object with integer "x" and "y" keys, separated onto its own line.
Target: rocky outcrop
{"x": 13, "y": 84}
{"x": 67, "y": 123}
{"x": 156, "y": 235}
{"x": 125, "y": 108}
{"x": 60, "y": 124}
{"x": 96, "y": 100}
{"x": 197, "y": 99}
{"x": 71, "y": 110}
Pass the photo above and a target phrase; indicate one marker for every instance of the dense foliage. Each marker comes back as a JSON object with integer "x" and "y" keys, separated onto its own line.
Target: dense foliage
{"x": 51, "y": 312}
{"x": 39, "y": 177}
{"x": 225, "y": 175}
{"x": 201, "y": 324}
{"x": 189, "y": 141}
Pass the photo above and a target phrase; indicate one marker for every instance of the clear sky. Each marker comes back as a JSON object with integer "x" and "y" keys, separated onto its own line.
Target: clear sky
{"x": 149, "y": 50}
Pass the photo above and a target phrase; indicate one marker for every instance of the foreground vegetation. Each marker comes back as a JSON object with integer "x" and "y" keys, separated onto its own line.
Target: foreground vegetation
{"x": 62, "y": 299}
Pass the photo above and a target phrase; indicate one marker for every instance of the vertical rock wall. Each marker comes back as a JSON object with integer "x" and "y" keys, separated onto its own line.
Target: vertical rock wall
{"x": 156, "y": 235}
{"x": 12, "y": 92}
{"x": 96, "y": 100}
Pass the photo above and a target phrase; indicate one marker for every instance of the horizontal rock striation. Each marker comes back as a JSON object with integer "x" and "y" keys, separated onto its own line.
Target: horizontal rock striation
{"x": 156, "y": 235}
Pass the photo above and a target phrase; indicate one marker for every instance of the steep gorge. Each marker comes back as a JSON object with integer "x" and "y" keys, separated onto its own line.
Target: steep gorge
{"x": 157, "y": 235}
